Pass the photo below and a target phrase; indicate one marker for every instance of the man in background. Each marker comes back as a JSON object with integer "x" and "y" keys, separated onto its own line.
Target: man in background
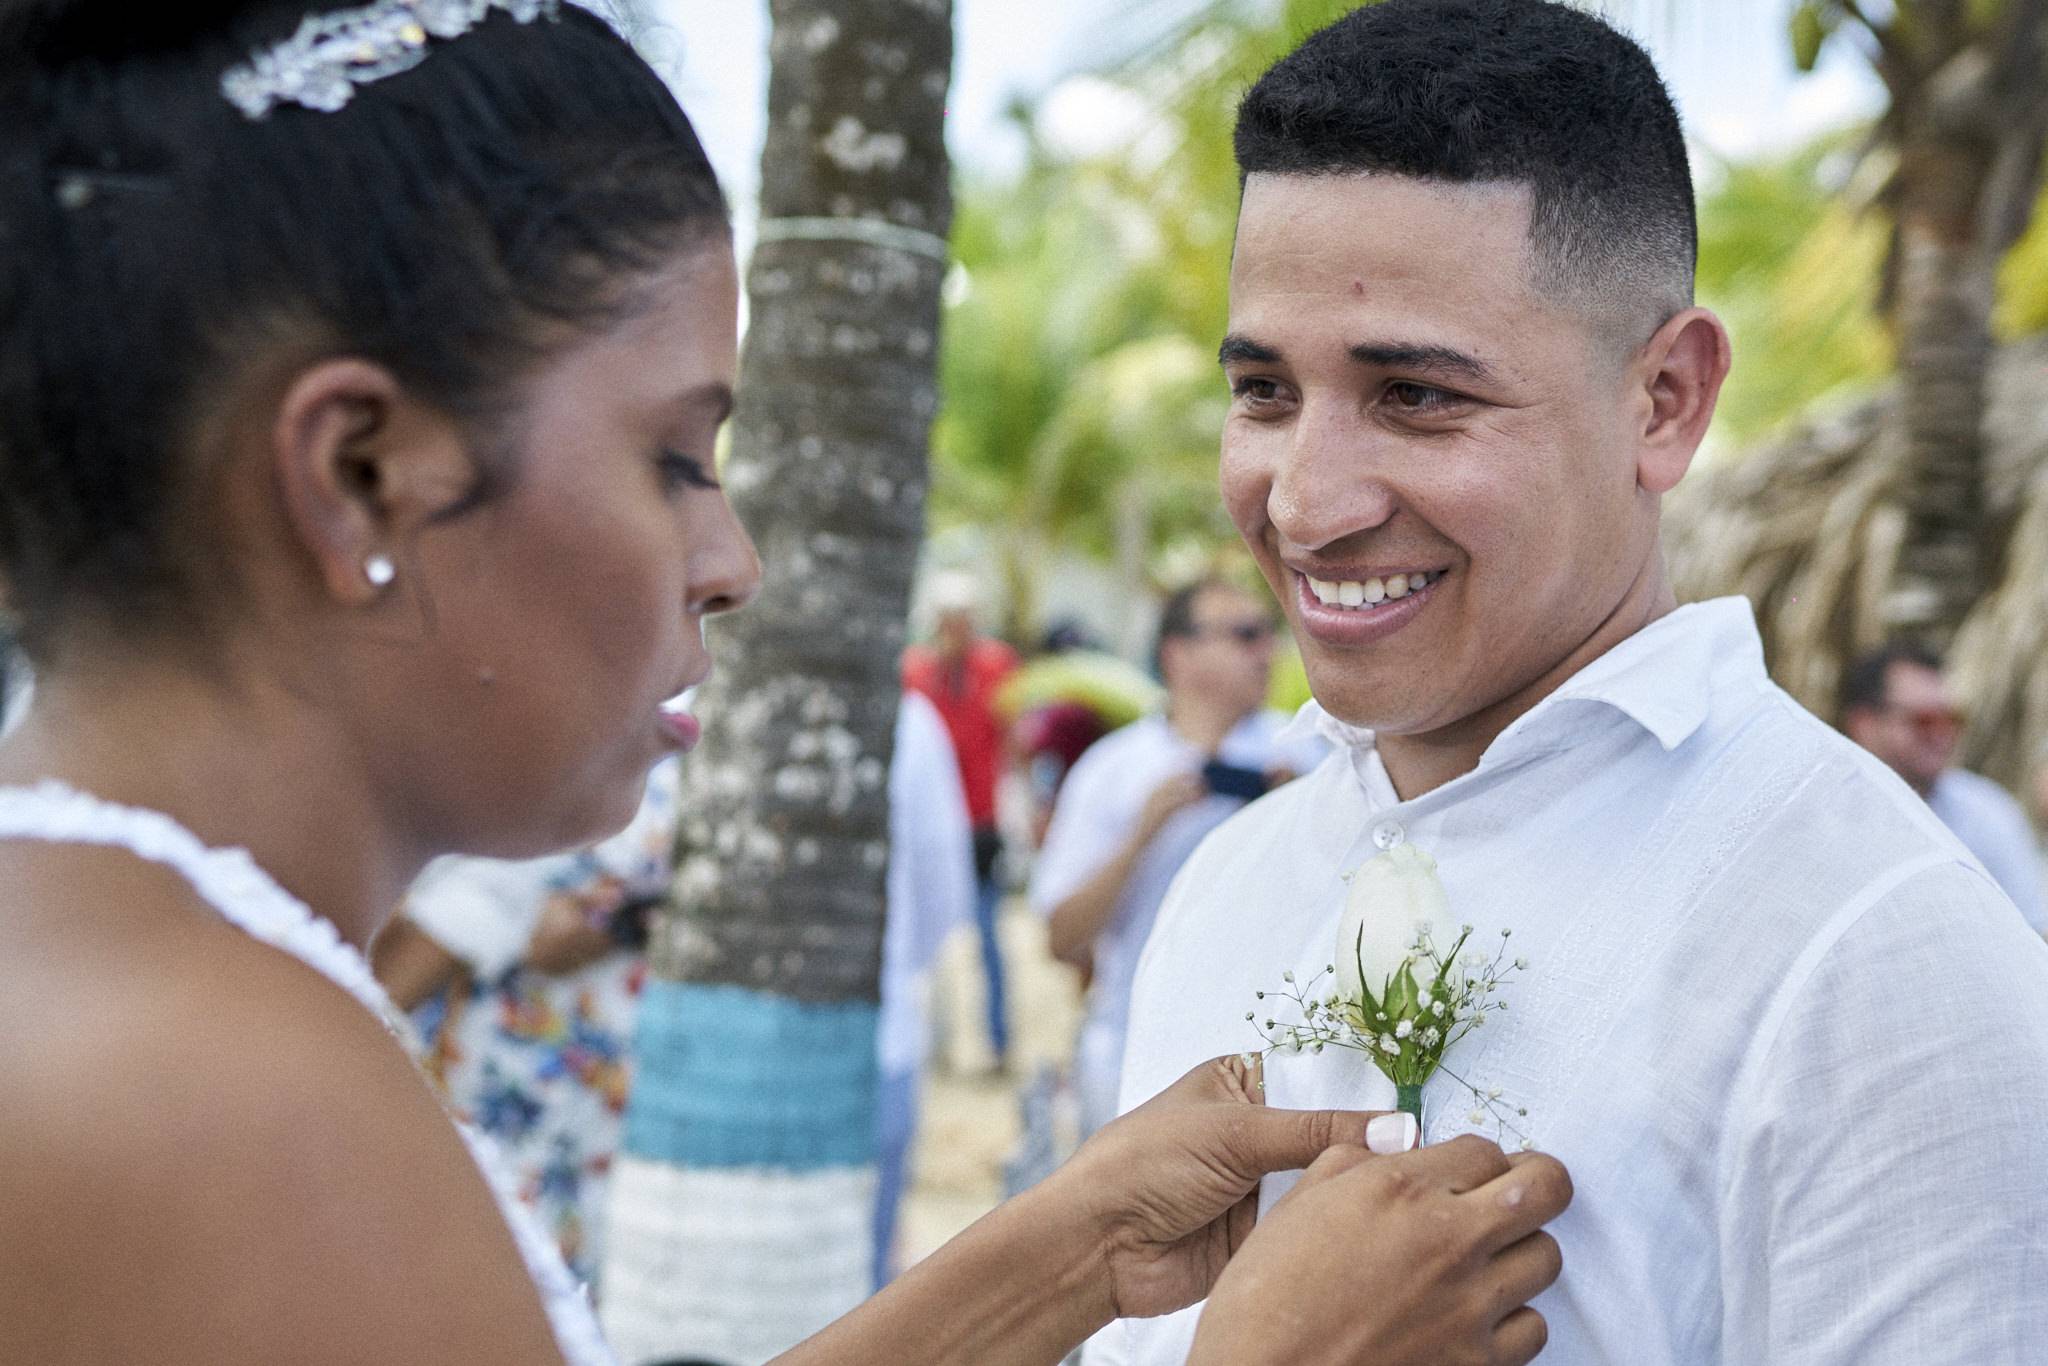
{"x": 1141, "y": 798}
{"x": 1896, "y": 704}
{"x": 960, "y": 671}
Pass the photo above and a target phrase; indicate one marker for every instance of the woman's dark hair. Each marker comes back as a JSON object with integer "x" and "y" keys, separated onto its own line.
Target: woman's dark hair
{"x": 445, "y": 224}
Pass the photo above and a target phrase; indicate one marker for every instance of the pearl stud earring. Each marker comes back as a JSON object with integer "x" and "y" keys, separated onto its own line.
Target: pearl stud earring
{"x": 379, "y": 570}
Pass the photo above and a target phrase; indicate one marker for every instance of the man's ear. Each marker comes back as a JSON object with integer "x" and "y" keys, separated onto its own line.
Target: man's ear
{"x": 1681, "y": 370}
{"x": 362, "y": 467}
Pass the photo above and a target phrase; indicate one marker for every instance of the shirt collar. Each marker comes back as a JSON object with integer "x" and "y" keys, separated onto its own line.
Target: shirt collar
{"x": 1663, "y": 678}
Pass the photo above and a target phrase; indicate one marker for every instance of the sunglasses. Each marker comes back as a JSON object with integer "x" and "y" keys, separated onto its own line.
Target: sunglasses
{"x": 1243, "y": 632}
{"x": 1931, "y": 722}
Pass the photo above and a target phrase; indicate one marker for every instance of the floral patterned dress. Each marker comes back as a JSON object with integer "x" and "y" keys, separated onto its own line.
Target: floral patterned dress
{"x": 540, "y": 1062}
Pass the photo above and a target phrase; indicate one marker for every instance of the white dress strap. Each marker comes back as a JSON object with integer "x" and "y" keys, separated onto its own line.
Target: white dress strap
{"x": 250, "y": 899}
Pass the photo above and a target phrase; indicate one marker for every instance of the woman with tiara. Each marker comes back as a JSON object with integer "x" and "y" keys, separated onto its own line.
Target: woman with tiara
{"x": 328, "y": 343}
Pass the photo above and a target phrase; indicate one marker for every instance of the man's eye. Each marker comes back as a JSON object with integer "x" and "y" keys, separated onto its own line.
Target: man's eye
{"x": 1418, "y": 398}
{"x": 1257, "y": 390}
{"x": 679, "y": 471}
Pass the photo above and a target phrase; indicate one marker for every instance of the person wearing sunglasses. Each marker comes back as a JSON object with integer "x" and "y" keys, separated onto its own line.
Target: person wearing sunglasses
{"x": 1896, "y": 704}
{"x": 1139, "y": 800}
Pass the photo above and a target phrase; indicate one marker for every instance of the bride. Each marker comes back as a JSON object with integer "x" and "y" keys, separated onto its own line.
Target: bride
{"x": 358, "y": 385}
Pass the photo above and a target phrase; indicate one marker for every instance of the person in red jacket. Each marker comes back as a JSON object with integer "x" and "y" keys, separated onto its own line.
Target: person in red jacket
{"x": 960, "y": 671}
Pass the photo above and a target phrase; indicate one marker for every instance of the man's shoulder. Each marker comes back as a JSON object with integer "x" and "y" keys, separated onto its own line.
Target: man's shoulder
{"x": 1802, "y": 790}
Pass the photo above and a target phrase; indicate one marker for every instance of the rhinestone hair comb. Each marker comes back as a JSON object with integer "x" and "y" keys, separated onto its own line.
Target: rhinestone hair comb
{"x": 329, "y": 55}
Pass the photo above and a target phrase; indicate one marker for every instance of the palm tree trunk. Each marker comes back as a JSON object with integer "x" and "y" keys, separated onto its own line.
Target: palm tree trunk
{"x": 1945, "y": 277}
{"x": 755, "y": 1095}
{"x": 1968, "y": 115}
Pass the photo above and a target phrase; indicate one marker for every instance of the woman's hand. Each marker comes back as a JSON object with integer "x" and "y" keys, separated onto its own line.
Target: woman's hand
{"x": 1173, "y": 1185}
{"x": 1403, "y": 1260}
{"x": 1427, "y": 1257}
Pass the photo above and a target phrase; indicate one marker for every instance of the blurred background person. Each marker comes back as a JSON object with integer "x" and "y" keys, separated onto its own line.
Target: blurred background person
{"x": 1139, "y": 801}
{"x": 1896, "y": 704}
{"x": 931, "y": 889}
{"x": 1070, "y": 694}
{"x": 960, "y": 671}
{"x": 524, "y": 978}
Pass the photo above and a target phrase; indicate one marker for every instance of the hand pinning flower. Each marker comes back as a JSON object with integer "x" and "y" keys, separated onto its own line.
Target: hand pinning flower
{"x": 1397, "y": 998}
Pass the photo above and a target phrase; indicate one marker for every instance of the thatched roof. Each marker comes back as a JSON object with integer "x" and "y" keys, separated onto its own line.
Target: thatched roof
{"x": 1808, "y": 529}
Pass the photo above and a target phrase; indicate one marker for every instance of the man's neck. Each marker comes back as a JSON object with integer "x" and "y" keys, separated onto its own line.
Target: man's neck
{"x": 1426, "y": 760}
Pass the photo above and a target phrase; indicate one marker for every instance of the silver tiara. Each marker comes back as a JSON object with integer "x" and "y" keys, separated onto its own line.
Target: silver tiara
{"x": 321, "y": 64}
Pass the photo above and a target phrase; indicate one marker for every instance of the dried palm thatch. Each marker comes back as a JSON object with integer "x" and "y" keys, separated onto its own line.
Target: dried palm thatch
{"x": 1809, "y": 530}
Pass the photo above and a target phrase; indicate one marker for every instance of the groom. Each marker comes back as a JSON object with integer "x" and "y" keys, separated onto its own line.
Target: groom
{"x": 1789, "y": 1038}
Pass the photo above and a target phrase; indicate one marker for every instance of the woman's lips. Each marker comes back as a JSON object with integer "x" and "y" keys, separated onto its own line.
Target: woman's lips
{"x": 683, "y": 730}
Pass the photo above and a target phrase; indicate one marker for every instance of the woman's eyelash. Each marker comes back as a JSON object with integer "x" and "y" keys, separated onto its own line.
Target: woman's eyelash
{"x": 686, "y": 471}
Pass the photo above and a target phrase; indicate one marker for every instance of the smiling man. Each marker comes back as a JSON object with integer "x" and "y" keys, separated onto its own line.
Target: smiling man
{"x": 1785, "y": 1032}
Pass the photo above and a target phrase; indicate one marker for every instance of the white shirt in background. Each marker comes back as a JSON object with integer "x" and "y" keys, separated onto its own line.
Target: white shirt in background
{"x": 1787, "y": 1035}
{"x": 1098, "y": 807}
{"x": 930, "y": 881}
{"x": 1987, "y": 819}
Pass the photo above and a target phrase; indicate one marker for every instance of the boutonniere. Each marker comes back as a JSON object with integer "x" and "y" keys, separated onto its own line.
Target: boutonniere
{"x": 1392, "y": 994}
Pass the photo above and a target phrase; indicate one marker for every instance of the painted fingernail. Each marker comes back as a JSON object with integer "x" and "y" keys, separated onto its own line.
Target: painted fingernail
{"x": 1390, "y": 1134}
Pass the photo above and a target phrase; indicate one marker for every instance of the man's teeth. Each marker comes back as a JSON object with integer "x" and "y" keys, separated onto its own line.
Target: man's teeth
{"x": 1370, "y": 592}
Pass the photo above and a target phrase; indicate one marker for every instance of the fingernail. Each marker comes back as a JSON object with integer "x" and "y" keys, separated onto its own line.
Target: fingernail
{"x": 1390, "y": 1134}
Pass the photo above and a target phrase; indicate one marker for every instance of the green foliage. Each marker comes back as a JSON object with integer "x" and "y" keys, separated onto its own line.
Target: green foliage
{"x": 1081, "y": 400}
{"x": 2023, "y": 280}
{"x": 1812, "y": 23}
{"x": 1794, "y": 272}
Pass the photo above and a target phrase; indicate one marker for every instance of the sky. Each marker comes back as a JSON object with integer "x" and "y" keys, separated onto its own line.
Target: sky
{"x": 1727, "y": 61}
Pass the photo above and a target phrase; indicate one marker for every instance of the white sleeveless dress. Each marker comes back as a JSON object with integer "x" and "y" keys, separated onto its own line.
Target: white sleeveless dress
{"x": 248, "y": 898}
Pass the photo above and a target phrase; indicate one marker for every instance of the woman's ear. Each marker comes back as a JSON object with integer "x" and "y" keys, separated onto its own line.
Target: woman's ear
{"x": 1682, "y": 368}
{"x": 362, "y": 466}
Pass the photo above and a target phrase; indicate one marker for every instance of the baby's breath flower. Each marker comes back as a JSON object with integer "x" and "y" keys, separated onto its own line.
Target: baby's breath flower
{"x": 1404, "y": 1029}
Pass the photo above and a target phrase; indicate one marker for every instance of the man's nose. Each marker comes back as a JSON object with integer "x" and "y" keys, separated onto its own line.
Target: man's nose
{"x": 1331, "y": 480}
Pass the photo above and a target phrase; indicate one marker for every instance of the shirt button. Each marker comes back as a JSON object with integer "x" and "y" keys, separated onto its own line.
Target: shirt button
{"x": 1387, "y": 834}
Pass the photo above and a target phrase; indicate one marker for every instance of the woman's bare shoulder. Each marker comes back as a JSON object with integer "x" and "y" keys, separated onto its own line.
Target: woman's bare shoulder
{"x": 209, "y": 1153}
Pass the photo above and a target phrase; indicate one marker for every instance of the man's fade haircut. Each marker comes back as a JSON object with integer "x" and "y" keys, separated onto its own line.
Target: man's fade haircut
{"x": 1523, "y": 91}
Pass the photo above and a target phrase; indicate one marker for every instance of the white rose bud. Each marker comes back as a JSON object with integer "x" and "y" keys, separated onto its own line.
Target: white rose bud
{"x": 1388, "y": 896}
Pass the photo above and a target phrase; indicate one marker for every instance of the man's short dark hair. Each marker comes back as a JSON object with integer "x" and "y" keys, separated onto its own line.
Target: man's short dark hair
{"x": 1864, "y": 685}
{"x": 1522, "y": 91}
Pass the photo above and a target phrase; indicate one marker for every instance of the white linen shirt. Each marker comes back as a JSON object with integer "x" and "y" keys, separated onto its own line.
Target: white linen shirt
{"x": 1987, "y": 819}
{"x": 1788, "y": 1037}
{"x": 930, "y": 879}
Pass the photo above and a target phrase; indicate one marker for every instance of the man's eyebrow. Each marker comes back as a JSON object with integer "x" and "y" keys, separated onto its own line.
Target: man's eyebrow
{"x": 1441, "y": 359}
{"x": 1241, "y": 348}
